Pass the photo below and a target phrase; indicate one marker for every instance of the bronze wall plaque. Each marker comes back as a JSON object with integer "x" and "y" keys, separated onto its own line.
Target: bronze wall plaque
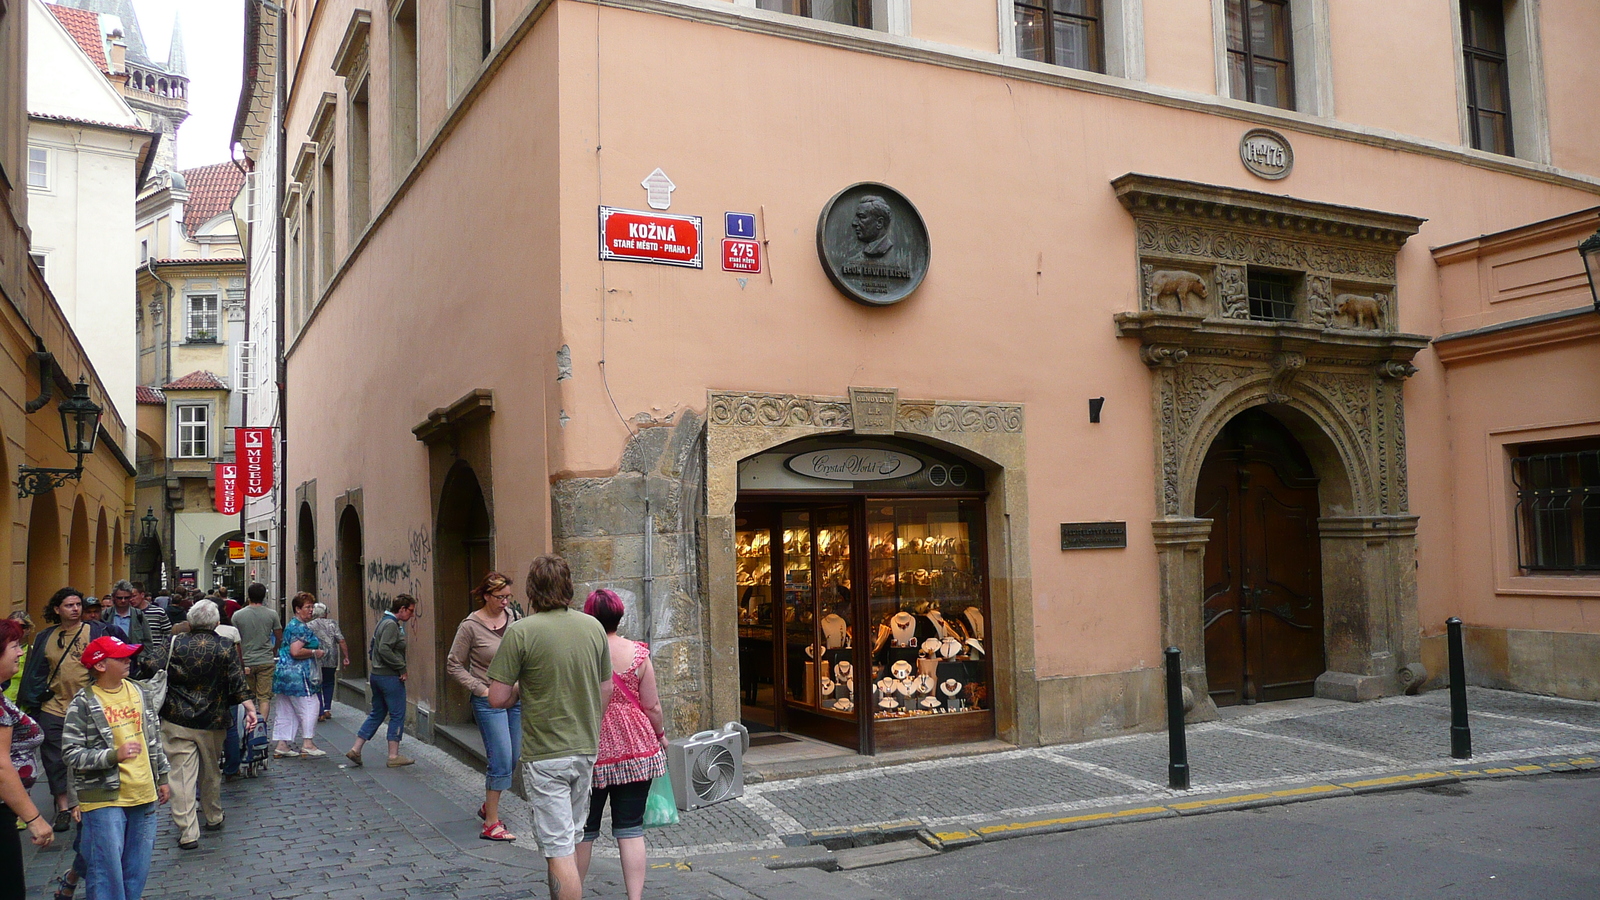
{"x": 1094, "y": 535}
{"x": 873, "y": 244}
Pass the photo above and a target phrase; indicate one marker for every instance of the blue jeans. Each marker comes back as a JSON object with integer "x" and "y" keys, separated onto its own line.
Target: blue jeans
{"x": 117, "y": 844}
{"x": 502, "y": 738}
{"x": 327, "y": 688}
{"x": 388, "y": 699}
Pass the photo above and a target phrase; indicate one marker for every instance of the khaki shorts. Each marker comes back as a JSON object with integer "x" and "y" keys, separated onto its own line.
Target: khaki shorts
{"x": 259, "y": 681}
{"x": 558, "y": 792}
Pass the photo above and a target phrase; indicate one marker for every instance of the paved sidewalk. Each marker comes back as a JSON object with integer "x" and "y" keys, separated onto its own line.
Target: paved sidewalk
{"x": 323, "y": 829}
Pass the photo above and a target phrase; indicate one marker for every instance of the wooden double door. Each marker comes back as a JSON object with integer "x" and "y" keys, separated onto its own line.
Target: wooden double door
{"x": 1263, "y": 566}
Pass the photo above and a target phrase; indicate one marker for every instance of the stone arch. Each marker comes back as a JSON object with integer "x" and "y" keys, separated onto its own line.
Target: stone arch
{"x": 463, "y": 548}
{"x": 102, "y": 555}
{"x": 351, "y": 602}
{"x": 219, "y": 549}
{"x": 990, "y": 434}
{"x": 305, "y": 551}
{"x": 44, "y": 553}
{"x": 80, "y": 558}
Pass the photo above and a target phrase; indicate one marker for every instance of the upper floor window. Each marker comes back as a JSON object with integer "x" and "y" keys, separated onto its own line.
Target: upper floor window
{"x": 38, "y": 260}
{"x": 1064, "y": 32}
{"x": 38, "y": 167}
{"x": 1483, "y": 45}
{"x": 1260, "y": 67}
{"x": 204, "y": 318}
{"x": 1271, "y": 295}
{"x": 194, "y": 432}
{"x": 844, "y": 12}
{"x": 1558, "y": 506}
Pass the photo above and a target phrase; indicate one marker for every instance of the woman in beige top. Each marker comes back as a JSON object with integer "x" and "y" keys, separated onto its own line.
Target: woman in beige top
{"x": 477, "y": 639}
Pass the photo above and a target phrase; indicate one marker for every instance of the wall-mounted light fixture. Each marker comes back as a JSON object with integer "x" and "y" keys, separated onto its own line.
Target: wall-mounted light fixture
{"x": 80, "y": 427}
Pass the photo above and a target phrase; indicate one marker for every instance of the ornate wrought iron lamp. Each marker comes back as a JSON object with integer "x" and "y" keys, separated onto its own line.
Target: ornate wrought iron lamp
{"x": 147, "y": 531}
{"x": 1590, "y": 250}
{"x": 80, "y": 428}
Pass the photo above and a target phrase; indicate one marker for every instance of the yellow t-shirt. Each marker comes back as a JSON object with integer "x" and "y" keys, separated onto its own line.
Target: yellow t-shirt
{"x": 125, "y": 713}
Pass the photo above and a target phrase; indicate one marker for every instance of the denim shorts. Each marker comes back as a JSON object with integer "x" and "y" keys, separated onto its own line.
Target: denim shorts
{"x": 558, "y": 795}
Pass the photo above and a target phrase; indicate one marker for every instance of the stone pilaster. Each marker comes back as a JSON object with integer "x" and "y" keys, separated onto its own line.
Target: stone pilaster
{"x": 1181, "y": 558}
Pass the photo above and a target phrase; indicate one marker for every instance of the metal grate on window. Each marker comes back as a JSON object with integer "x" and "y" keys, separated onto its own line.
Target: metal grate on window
{"x": 1558, "y": 511}
{"x": 1271, "y": 296}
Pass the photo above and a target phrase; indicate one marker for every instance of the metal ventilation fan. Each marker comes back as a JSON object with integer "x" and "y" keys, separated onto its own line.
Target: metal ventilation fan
{"x": 708, "y": 767}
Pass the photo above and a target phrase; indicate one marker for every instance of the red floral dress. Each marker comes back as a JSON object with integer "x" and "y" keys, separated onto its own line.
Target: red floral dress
{"x": 629, "y": 750}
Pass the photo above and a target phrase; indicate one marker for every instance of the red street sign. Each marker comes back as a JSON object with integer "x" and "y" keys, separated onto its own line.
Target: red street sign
{"x": 628, "y": 235}
{"x": 739, "y": 255}
{"x": 252, "y": 449}
{"x": 229, "y": 497}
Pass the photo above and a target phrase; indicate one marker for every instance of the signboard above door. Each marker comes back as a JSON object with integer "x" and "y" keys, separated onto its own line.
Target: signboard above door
{"x": 840, "y": 464}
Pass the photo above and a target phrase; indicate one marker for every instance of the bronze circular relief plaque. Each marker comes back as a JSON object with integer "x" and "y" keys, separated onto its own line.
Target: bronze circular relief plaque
{"x": 873, "y": 244}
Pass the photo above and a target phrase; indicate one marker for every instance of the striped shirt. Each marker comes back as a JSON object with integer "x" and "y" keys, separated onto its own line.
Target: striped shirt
{"x": 160, "y": 624}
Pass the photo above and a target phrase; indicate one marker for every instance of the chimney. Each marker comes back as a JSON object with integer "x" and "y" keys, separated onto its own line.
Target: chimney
{"x": 117, "y": 55}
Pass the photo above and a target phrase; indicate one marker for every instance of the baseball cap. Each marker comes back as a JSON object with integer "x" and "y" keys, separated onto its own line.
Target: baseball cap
{"x": 107, "y": 647}
{"x": 91, "y": 601}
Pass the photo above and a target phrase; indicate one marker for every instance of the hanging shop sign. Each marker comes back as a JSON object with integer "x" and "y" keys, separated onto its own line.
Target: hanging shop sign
{"x": 1266, "y": 153}
{"x": 258, "y": 549}
{"x": 229, "y": 495}
{"x": 873, "y": 244}
{"x": 628, "y": 235}
{"x": 740, "y": 255}
{"x": 854, "y": 464}
{"x": 252, "y": 449}
{"x": 236, "y": 551}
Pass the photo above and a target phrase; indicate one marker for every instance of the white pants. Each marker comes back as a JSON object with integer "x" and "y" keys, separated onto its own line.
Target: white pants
{"x": 294, "y": 717}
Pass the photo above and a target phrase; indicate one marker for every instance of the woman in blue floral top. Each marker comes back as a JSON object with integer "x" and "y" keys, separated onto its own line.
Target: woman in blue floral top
{"x": 297, "y": 683}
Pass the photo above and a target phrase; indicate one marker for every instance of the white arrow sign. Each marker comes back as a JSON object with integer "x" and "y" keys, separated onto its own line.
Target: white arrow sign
{"x": 658, "y": 189}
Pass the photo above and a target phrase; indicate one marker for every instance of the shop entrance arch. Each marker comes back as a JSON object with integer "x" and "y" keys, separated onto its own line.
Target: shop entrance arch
{"x": 464, "y": 552}
{"x": 1263, "y": 564}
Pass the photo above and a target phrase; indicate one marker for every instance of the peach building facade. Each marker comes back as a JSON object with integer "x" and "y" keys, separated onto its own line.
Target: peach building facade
{"x": 1168, "y": 377}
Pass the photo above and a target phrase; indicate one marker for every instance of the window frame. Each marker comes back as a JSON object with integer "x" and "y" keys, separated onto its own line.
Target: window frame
{"x": 803, "y": 9}
{"x": 189, "y": 329}
{"x": 45, "y": 168}
{"x": 1290, "y": 282}
{"x": 1249, "y": 54}
{"x": 1530, "y": 535}
{"x": 1047, "y": 8}
{"x": 184, "y": 432}
{"x": 1472, "y": 56}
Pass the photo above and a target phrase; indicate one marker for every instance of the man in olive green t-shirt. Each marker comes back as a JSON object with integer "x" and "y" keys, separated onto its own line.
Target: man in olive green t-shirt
{"x": 259, "y": 633}
{"x": 557, "y": 660}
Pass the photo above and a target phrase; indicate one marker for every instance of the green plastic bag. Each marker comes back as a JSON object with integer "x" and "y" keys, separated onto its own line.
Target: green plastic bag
{"x": 661, "y": 809}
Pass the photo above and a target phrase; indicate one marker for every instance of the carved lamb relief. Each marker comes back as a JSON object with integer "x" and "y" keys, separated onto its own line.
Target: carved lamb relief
{"x": 1176, "y": 290}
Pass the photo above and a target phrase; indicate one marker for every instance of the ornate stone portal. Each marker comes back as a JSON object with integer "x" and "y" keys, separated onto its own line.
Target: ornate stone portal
{"x": 1326, "y": 355}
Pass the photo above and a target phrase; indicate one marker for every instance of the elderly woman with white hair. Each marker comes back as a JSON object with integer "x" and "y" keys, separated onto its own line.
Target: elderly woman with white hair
{"x": 329, "y": 635}
{"x": 205, "y": 679}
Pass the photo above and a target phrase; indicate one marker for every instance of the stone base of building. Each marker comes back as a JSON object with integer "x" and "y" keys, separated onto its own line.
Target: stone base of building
{"x": 1085, "y": 707}
{"x": 1353, "y": 688}
{"x": 1558, "y": 663}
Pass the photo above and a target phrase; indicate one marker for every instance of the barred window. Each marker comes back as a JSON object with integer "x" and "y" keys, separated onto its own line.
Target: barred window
{"x": 1271, "y": 296}
{"x": 204, "y": 318}
{"x": 193, "y": 431}
{"x": 1558, "y": 506}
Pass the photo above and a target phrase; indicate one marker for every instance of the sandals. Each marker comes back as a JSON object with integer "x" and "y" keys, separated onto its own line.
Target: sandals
{"x": 285, "y": 754}
{"x": 483, "y": 812}
{"x": 496, "y": 831}
{"x": 65, "y": 889}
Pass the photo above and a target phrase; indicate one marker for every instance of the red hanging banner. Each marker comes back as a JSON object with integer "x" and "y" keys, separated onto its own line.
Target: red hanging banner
{"x": 252, "y": 449}
{"x": 229, "y": 496}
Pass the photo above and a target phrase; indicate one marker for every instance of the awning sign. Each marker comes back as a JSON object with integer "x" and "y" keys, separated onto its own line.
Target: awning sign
{"x": 252, "y": 449}
{"x": 628, "y": 235}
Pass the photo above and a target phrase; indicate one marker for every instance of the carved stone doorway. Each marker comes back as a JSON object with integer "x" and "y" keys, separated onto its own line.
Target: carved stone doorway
{"x": 464, "y": 552}
{"x": 1263, "y": 564}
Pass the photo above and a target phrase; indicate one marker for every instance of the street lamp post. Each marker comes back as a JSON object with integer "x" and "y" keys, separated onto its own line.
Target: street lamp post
{"x": 1590, "y": 251}
{"x": 80, "y": 428}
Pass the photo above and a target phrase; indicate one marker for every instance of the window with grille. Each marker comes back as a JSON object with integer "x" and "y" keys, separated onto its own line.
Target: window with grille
{"x": 1483, "y": 44}
{"x": 1271, "y": 296}
{"x": 38, "y": 167}
{"x": 204, "y": 318}
{"x": 844, "y": 12}
{"x": 194, "y": 431}
{"x": 1260, "y": 65}
{"x": 1064, "y": 32}
{"x": 1558, "y": 506}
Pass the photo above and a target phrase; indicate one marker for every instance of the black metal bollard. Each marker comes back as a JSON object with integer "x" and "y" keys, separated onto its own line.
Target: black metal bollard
{"x": 1177, "y": 747}
{"x": 1460, "y": 731}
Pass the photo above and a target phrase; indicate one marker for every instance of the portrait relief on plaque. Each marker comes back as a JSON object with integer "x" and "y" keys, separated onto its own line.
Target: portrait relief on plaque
{"x": 873, "y": 244}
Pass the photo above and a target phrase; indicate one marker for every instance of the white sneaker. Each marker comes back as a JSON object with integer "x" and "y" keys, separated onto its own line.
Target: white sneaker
{"x": 313, "y": 753}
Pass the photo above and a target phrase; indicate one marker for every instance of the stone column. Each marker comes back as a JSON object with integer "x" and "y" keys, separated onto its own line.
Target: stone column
{"x": 1181, "y": 558}
{"x": 1369, "y": 602}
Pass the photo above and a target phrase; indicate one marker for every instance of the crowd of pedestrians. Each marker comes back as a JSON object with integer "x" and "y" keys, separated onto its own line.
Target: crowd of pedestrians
{"x": 133, "y": 707}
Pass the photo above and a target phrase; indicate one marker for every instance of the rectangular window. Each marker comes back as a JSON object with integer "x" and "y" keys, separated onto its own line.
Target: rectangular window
{"x": 244, "y": 371}
{"x": 144, "y": 251}
{"x": 204, "y": 321}
{"x": 325, "y": 248}
{"x": 38, "y": 260}
{"x": 1064, "y": 32}
{"x": 1558, "y": 506}
{"x": 250, "y": 201}
{"x": 1271, "y": 296}
{"x": 471, "y": 33}
{"x": 843, "y": 12}
{"x": 1259, "y": 55}
{"x": 194, "y": 432}
{"x": 1483, "y": 40}
{"x": 38, "y": 167}
{"x": 359, "y": 201}
{"x": 403, "y": 85}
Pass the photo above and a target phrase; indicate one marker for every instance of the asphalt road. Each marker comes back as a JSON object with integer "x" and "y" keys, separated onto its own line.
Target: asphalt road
{"x": 1528, "y": 838}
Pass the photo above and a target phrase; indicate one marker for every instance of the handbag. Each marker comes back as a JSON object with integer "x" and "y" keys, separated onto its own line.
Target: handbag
{"x": 661, "y": 808}
{"x": 155, "y": 687}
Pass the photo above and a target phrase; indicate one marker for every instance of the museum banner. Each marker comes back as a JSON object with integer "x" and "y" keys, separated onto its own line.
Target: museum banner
{"x": 253, "y": 451}
{"x": 229, "y": 497}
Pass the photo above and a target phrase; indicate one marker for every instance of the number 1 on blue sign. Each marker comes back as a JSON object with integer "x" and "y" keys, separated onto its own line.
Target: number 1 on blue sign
{"x": 740, "y": 225}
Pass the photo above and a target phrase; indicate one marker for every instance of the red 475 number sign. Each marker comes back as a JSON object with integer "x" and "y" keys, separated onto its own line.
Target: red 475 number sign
{"x": 740, "y": 255}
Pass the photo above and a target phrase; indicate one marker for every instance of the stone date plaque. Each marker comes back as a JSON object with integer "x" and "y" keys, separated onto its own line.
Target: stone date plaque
{"x": 1094, "y": 535}
{"x": 873, "y": 244}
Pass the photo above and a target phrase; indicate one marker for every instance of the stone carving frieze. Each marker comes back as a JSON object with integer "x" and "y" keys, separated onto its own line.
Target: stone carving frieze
{"x": 1159, "y": 237}
{"x": 916, "y": 416}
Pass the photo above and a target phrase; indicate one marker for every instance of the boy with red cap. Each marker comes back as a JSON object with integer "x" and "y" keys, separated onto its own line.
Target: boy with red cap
{"x": 112, "y": 741}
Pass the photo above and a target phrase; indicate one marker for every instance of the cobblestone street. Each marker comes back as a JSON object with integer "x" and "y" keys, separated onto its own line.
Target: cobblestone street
{"x": 323, "y": 829}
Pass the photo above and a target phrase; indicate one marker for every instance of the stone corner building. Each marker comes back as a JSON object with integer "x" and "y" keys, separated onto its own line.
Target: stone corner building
{"x": 1097, "y": 348}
